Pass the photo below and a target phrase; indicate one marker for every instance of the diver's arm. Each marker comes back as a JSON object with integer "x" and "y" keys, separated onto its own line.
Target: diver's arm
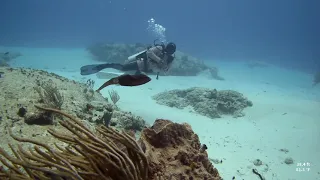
{"x": 168, "y": 67}
{"x": 151, "y": 53}
{"x": 168, "y": 62}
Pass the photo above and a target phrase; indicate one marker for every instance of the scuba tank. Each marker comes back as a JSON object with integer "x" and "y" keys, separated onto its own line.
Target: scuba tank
{"x": 136, "y": 56}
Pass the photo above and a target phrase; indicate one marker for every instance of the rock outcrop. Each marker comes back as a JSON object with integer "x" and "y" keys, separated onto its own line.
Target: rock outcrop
{"x": 173, "y": 151}
{"x": 207, "y": 102}
{"x": 22, "y": 88}
{"x": 166, "y": 151}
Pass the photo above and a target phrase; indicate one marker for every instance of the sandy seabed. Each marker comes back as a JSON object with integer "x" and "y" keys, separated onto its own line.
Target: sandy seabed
{"x": 285, "y": 113}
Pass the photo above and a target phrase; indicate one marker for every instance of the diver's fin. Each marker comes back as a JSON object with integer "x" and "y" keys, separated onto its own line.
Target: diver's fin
{"x": 91, "y": 69}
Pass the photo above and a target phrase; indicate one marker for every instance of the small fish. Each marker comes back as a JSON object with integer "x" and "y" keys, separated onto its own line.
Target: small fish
{"x": 127, "y": 80}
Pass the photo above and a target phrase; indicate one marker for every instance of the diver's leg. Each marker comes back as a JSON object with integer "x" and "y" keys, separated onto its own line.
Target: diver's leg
{"x": 94, "y": 68}
{"x": 112, "y": 65}
{"x": 132, "y": 66}
{"x": 122, "y": 67}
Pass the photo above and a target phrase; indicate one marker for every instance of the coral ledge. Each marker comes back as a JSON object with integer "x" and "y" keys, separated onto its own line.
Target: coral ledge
{"x": 173, "y": 151}
{"x": 165, "y": 151}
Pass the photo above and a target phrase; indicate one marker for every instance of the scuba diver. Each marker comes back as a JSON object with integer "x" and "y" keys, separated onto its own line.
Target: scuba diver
{"x": 154, "y": 59}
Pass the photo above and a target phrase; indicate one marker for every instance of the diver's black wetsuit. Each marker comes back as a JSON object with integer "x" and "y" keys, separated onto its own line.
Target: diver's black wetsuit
{"x": 133, "y": 66}
{"x": 129, "y": 66}
{"x": 94, "y": 68}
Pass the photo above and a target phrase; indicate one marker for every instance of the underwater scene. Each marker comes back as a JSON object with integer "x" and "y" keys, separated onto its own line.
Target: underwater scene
{"x": 159, "y": 90}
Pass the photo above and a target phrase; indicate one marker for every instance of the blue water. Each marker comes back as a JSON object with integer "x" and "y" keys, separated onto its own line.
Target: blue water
{"x": 284, "y": 32}
{"x": 53, "y": 35}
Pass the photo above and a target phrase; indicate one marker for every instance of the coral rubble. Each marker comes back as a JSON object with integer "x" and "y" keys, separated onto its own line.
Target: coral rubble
{"x": 183, "y": 65}
{"x": 207, "y": 102}
{"x": 167, "y": 150}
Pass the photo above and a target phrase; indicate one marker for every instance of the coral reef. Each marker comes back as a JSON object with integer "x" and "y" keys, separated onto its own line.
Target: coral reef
{"x": 50, "y": 94}
{"x": 183, "y": 65}
{"x": 114, "y": 96}
{"x": 316, "y": 79}
{"x": 207, "y": 102}
{"x": 4, "y": 63}
{"x": 88, "y": 90}
{"x": 18, "y": 92}
{"x": 173, "y": 152}
{"x": 100, "y": 113}
{"x": 129, "y": 122}
{"x": 165, "y": 151}
{"x": 106, "y": 154}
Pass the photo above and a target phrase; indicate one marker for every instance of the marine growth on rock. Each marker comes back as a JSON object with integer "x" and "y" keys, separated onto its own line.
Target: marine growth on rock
{"x": 207, "y": 102}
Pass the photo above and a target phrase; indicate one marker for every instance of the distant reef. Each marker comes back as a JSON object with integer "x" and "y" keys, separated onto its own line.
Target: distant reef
{"x": 56, "y": 128}
{"x": 6, "y": 57}
{"x": 316, "y": 78}
{"x": 204, "y": 101}
{"x": 184, "y": 65}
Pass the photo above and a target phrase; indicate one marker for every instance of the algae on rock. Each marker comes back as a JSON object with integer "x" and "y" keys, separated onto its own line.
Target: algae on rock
{"x": 50, "y": 94}
{"x": 106, "y": 154}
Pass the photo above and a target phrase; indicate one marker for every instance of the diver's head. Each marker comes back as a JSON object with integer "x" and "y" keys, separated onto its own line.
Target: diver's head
{"x": 170, "y": 48}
